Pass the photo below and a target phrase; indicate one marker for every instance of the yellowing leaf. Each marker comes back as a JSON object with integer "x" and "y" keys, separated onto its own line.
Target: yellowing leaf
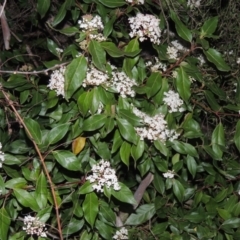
{"x": 78, "y": 145}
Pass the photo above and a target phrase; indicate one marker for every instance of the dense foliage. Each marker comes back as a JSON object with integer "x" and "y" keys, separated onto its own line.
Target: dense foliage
{"x": 119, "y": 120}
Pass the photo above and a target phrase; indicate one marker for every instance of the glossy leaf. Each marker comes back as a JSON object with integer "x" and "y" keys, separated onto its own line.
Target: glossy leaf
{"x": 237, "y": 136}
{"x": 178, "y": 190}
{"x": 60, "y": 15}
{"x": 42, "y": 190}
{"x": 67, "y": 159}
{"x": 153, "y": 84}
{"x": 34, "y": 129}
{"x": 98, "y": 55}
{"x": 94, "y": 122}
{"x": 74, "y": 75}
{"x": 125, "y": 151}
{"x": 78, "y": 145}
{"x": 127, "y": 131}
{"x": 5, "y": 221}
{"x": 90, "y": 208}
{"x": 209, "y": 27}
{"x": 85, "y": 188}
{"x": 137, "y": 150}
{"x": 232, "y": 223}
{"x": 112, "y": 49}
{"x": 26, "y": 199}
{"x": 57, "y": 133}
{"x": 191, "y": 165}
{"x": 144, "y": 213}
{"x": 218, "y": 135}
{"x": 161, "y": 147}
{"x": 182, "y": 30}
{"x": 112, "y": 4}
{"x": 212, "y": 101}
{"x": 104, "y": 230}
{"x": 124, "y": 194}
{"x": 74, "y": 225}
{"x": 183, "y": 84}
{"x": 216, "y": 58}
{"x": 43, "y": 6}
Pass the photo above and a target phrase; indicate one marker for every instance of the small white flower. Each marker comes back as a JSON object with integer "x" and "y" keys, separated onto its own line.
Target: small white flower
{"x": 173, "y": 100}
{"x": 59, "y": 50}
{"x": 172, "y": 52}
{"x": 33, "y": 226}
{"x": 157, "y": 66}
{"x": 238, "y": 60}
{"x": 169, "y": 174}
{"x": 145, "y": 26}
{"x": 194, "y": 3}
{"x": 2, "y": 158}
{"x": 57, "y": 80}
{"x": 102, "y": 176}
{"x": 121, "y": 234}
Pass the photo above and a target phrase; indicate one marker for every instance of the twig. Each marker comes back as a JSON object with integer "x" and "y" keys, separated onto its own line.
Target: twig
{"x": 3, "y": 6}
{"x": 45, "y": 71}
{"x": 42, "y": 161}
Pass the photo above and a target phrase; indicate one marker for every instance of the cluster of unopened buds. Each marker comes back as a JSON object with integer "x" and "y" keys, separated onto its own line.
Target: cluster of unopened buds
{"x": 33, "y": 226}
{"x": 121, "y": 234}
{"x": 103, "y": 175}
{"x": 169, "y": 174}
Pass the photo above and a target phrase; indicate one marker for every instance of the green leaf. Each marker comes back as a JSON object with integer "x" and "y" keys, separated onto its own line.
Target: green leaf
{"x": 16, "y": 183}
{"x": 127, "y": 131}
{"x": 104, "y": 230}
{"x": 153, "y": 84}
{"x": 34, "y": 129}
{"x": 84, "y": 103}
{"x": 113, "y": 4}
{"x": 107, "y": 213}
{"x": 5, "y": 221}
{"x": 125, "y": 151}
{"x": 232, "y": 223}
{"x": 182, "y": 30}
{"x": 67, "y": 159}
{"x": 90, "y": 208}
{"x": 223, "y": 213}
{"x": 52, "y": 46}
{"x": 218, "y": 135}
{"x": 129, "y": 116}
{"x": 117, "y": 141}
{"x": 221, "y": 195}
{"x": 195, "y": 217}
{"x": 178, "y": 190}
{"x": 212, "y": 101}
{"x": 159, "y": 183}
{"x": 209, "y": 27}
{"x": 138, "y": 150}
{"x": 10, "y": 159}
{"x": 42, "y": 7}
{"x": 183, "y": 84}
{"x": 237, "y": 136}
{"x": 112, "y": 49}
{"x": 26, "y": 199}
{"x": 94, "y": 122}
{"x": 143, "y": 213}
{"x": 74, "y": 225}
{"x": 191, "y": 165}
{"x": 85, "y": 188}
{"x": 58, "y": 132}
{"x": 216, "y": 58}
{"x": 42, "y": 190}
{"x": 60, "y": 15}
{"x": 98, "y": 54}
{"x": 159, "y": 145}
{"x": 124, "y": 194}
{"x": 74, "y": 75}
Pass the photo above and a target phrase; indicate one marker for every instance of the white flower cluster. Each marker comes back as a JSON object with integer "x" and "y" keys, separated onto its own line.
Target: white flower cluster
{"x": 169, "y": 174}
{"x": 201, "y": 59}
{"x": 194, "y": 3}
{"x": 102, "y": 176}
{"x": 2, "y": 158}
{"x": 172, "y": 52}
{"x": 155, "y": 127}
{"x": 144, "y": 26}
{"x": 92, "y": 25}
{"x": 178, "y": 45}
{"x": 94, "y": 77}
{"x": 59, "y": 50}
{"x": 157, "y": 66}
{"x": 118, "y": 81}
{"x": 138, "y": 2}
{"x": 122, "y": 84}
{"x": 121, "y": 234}
{"x": 173, "y": 100}
{"x": 56, "y": 81}
{"x": 33, "y": 226}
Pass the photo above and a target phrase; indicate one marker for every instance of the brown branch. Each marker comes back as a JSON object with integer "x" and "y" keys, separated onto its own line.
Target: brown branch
{"x": 42, "y": 161}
